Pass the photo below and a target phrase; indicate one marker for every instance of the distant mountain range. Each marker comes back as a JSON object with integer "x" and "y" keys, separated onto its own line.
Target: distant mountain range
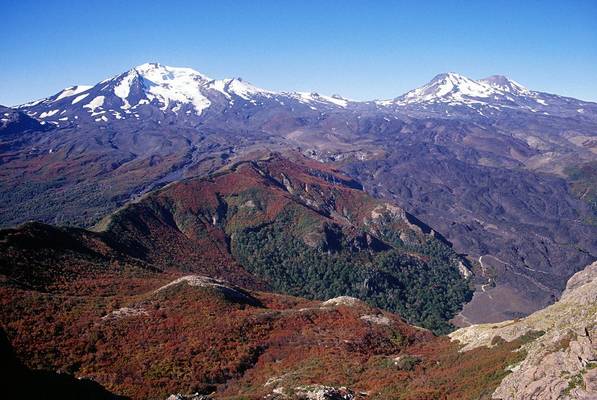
{"x": 505, "y": 173}
{"x": 154, "y": 91}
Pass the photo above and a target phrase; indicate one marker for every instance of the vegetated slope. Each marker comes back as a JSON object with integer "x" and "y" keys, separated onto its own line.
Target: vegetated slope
{"x": 562, "y": 362}
{"x": 296, "y": 227}
{"x": 305, "y": 230}
{"x": 48, "y": 258}
{"x": 21, "y": 382}
{"x": 189, "y": 334}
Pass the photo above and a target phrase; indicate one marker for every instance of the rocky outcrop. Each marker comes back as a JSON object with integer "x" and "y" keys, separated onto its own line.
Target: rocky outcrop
{"x": 195, "y": 396}
{"x": 561, "y": 363}
{"x": 342, "y": 301}
{"x": 125, "y": 312}
{"x": 314, "y": 392}
{"x": 230, "y": 291}
{"x": 376, "y": 319}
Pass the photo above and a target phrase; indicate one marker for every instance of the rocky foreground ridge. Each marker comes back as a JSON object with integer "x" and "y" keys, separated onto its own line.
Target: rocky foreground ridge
{"x": 561, "y": 363}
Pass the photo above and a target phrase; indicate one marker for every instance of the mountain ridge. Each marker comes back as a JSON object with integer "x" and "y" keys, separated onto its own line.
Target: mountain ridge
{"x": 497, "y": 81}
{"x": 171, "y": 85}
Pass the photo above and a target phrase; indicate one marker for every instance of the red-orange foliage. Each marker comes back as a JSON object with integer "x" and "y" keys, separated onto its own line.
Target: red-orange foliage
{"x": 187, "y": 339}
{"x": 85, "y": 302}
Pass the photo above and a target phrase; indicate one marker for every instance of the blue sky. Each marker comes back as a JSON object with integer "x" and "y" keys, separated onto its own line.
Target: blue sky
{"x": 359, "y": 49}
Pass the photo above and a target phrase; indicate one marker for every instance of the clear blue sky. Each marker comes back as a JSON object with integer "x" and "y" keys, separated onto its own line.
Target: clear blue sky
{"x": 359, "y": 49}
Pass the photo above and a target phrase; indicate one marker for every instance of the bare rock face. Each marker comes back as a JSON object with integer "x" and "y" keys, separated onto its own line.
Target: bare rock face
{"x": 562, "y": 362}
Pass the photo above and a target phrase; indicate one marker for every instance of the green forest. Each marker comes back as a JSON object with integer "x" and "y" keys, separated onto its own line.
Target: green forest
{"x": 420, "y": 282}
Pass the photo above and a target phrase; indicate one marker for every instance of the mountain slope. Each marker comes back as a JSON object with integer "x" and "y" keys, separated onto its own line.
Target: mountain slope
{"x": 146, "y": 335}
{"x": 16, "y": 122}
{"x": 520, "y": 229}
{"x": 137, "y": 131}
{"x": 561, "y": 363}
{"x": 296, "y": 227}
{"x": 194, "y": 334}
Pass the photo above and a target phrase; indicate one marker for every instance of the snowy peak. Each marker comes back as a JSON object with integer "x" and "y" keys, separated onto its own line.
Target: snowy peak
{"x": 453, "y": 90}
{"x": 448, "y": 87}
{"x": 451, "y": 95}
{"x": 157, "y": 72}
{"x": 451, "y": 79}
{"x": 157, "y": 92}
{"x": 238, "y": 87}
{"x": 167, "y": 86}
{"x": 505, "y": 84}
{"x": 185, "y": 85}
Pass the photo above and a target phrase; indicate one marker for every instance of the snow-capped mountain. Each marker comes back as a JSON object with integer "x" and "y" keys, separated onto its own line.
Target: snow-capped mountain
{"x": 155, "y": 92}
{"x": 454, "y": 95}
{"x": 505, "y": 85}
{"x": 448, "y": 88}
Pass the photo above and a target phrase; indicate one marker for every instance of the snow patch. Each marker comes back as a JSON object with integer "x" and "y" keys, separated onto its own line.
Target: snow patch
{"x": 308, "y": 97}
{"x": 95, "y": 103}
{"x": 46, "y": 114}
{"x": 239, "y": 88}
{"x": 123, "y": 89}
{"x": 71, "y": 91}
{"x": 79, "y": 98}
